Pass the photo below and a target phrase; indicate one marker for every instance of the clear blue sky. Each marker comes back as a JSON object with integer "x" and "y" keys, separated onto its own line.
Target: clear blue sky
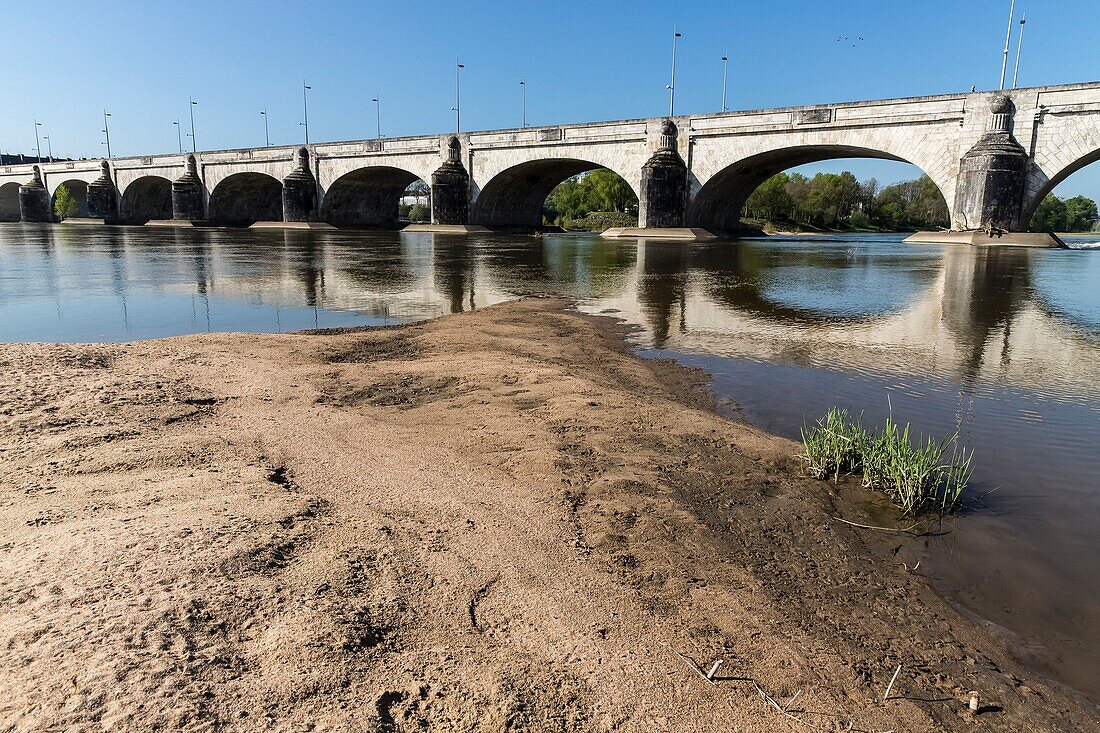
{"x": 66, "y": 60}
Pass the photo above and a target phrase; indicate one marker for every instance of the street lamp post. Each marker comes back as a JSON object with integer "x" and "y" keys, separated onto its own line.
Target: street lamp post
{"x": 107, "y": 132}
{"x": 179, "y": 136}
{"x": 523, "y": 102}
{"x": 672, "y": 86}
{"x": 1008, "y": 40}
{"x": 458, "y": 96}
{"x": 377, "y": 117}
{"x": 305, "y": 109}
{"x": 49, "y": 146}
{"x": 191, "y": 109}
{"x": 267, "y": 134}
{"x": 725, "y": 70}
{"x": 37, "y": 142}
{"x": 1019, "y": 49}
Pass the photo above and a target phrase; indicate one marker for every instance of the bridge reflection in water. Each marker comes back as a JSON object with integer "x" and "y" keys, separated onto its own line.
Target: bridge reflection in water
{"x": 1002, "y": 345}
{"x": 995, "y": 315}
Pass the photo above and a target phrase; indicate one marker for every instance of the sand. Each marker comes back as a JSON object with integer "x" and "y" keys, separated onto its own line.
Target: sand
{"x": 499, "y": 520}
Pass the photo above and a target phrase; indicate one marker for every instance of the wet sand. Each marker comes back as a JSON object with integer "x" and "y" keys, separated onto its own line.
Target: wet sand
{"x": 499, "y": 520}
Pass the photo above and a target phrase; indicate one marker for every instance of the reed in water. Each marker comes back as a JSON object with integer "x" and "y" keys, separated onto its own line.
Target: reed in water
{"x": 919, "y": 473}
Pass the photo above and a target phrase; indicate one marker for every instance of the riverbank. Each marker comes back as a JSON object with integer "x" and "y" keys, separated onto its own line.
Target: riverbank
{"x": 792, "y": 228}
{"x": 495, "y": 520}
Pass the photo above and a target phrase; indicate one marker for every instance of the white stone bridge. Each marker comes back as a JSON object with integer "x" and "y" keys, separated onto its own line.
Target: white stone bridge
{"x": 992, "y": 160}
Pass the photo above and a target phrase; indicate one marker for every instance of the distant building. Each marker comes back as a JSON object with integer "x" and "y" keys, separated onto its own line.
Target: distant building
{"x": 414, "y": 199}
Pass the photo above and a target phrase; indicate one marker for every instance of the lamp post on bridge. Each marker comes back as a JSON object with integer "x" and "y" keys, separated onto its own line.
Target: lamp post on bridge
{"x": 305, "y": 109}
{"x": 107, "y": 132}
{"x": 49, "y": 146}
{"x": 377, "y": 117}
{"x": 1008, "y": 41}
{"x": 179, "y": 136}
{"x": 37, "y": 142}
{"x": 725, "y": 70}
{"x": 267, "y": 135}
{"x": 191, "y": 109}
{"x": 457, "y": 109}
{"x": 523, "y": 102}
{"x": 1019, "y": 49}
{"x": 672, "y": 86}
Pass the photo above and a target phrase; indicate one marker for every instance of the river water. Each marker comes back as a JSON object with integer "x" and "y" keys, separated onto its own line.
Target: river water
{"x": 999, "y": 345}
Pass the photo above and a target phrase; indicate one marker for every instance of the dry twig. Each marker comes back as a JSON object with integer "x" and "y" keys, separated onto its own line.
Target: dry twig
{"x": 891, "y": 685}
{"x": 904, "y": 530}
{"x": 695, "y": 667}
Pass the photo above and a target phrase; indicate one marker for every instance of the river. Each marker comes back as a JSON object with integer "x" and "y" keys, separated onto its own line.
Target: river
{"x": 999, "y": 345}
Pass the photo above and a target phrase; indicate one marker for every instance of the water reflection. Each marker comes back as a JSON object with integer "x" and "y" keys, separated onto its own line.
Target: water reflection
{"x": 982, "y": 296}
{"x": 1001, "y": 345}
{"x": 810, "y": 285}
{"x": 453, "y": 271}
{"x": 870, "y": 304}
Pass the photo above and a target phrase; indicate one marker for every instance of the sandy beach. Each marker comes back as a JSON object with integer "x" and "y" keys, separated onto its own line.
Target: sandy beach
{"x": 497, "y": 520}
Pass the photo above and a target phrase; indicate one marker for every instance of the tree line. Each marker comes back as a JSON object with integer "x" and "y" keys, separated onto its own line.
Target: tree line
{"x": 1077, "y": 214}
{"x": 828, "y": 200}
{"x": 593, "y": 200}
{"x": 839, "y": 201}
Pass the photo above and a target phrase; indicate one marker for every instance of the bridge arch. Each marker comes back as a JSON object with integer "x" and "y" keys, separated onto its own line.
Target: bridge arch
{"x": 9, "y": 202}
{"x": 718, "y": 201}
{"x": 78, "y": 190}
{"x": 1042, "y": 189}
{"x": 147, "y": 198}
{"x": 242, "y": 199}
{"x": 1066, "y": 143}
{"x": 366, "y": 197}
{"x": 514, "y": 196}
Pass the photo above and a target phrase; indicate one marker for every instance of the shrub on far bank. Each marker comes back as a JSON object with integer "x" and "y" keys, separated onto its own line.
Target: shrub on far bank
{"x": 598, "y": 221}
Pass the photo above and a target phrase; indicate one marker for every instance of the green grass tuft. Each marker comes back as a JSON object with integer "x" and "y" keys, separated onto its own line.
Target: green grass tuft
{"x": 919, "y": 474}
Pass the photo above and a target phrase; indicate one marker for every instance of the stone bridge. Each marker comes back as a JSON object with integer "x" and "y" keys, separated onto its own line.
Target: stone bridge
{"x": 993, "y": 155}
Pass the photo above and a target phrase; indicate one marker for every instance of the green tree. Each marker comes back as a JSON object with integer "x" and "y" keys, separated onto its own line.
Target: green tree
{"x": 1050, "y": 216}
{"x": 910, "y": 205}
{"x": 1080, "y": 214}
{"x": 798, "y": 188}
{"x": 832, "y": 198}
{"x": 770, "y": 200}
{"x": 611, "y": 192}
{"x": 65, "y": 204}
{"x": 839, "y": 200}
{"x": 600, "y": 190}
{"x": 927, "y": 208}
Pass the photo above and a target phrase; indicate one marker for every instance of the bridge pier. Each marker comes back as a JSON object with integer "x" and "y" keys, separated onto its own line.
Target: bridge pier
{"x": 187, "y": 195}
{"x": 992, "y": 176}
{"x": 102, "y": 197}
{"x": 991, "y": 188}
{"x": 451, "y": 189}
{"x": 450, "y": 197}
{"x": 663, "y": 198}
{"x": 300, "y": 191}
{"x": 34, "y": 200}
{"x": 664, "y": 183}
